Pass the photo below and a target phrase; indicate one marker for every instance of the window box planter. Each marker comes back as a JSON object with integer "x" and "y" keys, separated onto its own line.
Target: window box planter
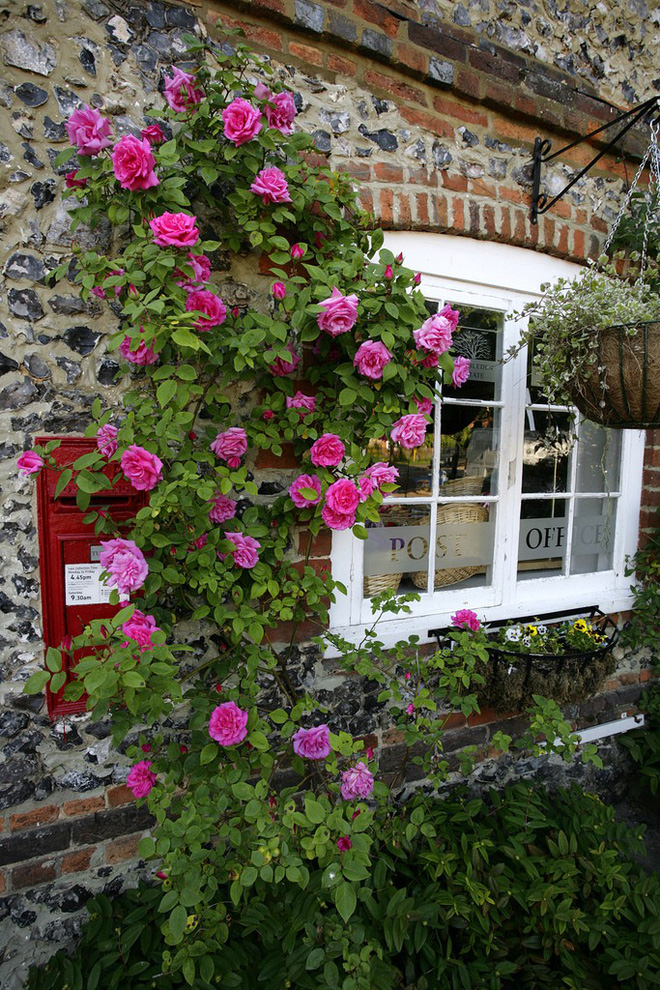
{"x": 512, "y": 677}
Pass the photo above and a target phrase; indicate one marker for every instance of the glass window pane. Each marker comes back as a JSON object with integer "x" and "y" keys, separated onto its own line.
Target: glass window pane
{"x": 414, "y": 466}
{"x": 396, "y": 551}
{"x": 542, "y": 537}
{"x": 598, "y": 453}
{"x": 479, "y": 338}
{"x": 593, "y": 535}
{"x": 464, "y": 544}
{"x": 469, "y": 450}
{"x": 546, "y": 451}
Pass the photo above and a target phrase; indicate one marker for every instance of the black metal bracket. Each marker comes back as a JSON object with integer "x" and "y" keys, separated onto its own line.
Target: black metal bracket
{"x": 540, "y": 202}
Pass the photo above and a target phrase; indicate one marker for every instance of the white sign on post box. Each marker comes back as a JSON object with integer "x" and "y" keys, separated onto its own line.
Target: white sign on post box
{"x": 83, "y": 585}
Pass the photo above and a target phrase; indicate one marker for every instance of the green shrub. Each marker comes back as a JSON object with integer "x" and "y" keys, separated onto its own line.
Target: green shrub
{"x": 524, "y": 888}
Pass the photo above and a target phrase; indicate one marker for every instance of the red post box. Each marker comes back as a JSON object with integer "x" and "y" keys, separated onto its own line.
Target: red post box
{"x": 72, "y": 593}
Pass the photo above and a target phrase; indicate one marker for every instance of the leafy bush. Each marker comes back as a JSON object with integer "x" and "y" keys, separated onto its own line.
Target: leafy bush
{"x": 526, "y": 888}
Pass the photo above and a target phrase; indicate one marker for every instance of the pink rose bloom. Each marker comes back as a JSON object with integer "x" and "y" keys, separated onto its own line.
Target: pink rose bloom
{"x": 465, "y": 618}
{"x": 327, "y": 451}
{"x": 180, "y": 91}
{"x": 298, "y": 252}
{"x": 271, "y": 185}
{"x": 301, "y": 401}
{"x": 153, "y": 134}
{"x": 222, "y": 508}
{"x": 342, "y": 497}
{"x": 133, "y": 163}
{"x": 388, "y": 273}
{"x": 228, "y": 724}
{"x": 261, "y": 91}
{"x": 280, "y": 112}
{"x": 142, "y": 468}
{"x": 137, "y": 351}
{"x": 201, "y": 267}
{"x": 452, "y": 315}
{"x": 141, "y": 779}
{"x": 71, "y": 182}
{"x": 203, "y": 301}
{"x": 344, "y": 844}
{"x": 371, "y": 358}
{"x": 106, "y": 440}
{"x": 230, "y": 445}
{"x": 175, "y": 230}
{"x": 312, "y": 744}
{"x": 337, "y": 520}
{"x": 381, "y": 473}
{"x": 242, "y": 121}
{"x": 434, "y": 334}
{"x": 365, "y": 487}
{"x": 280, "y": 367}
{"x": 199, "y": 543}
{"x": 29, "y": 463}
{"x": 279, "y": 290}
{"x": 461, "y": 371}
{"x": 88, "y": 131}
{"x": 339, "y": 313}
{"x": 245, "y": 555}
{"x": 409, "y": 431}
{"x": 410, "y": 709}
{"x": 140, "y": 627}
{"x": 309, "y": 481}
{"x": 358, "y": 782}
{"x": 424, "y": 406}
{"x": 417, "y": 278}
{"x": 125, "y": 564}
{"x": 430, "y": 361}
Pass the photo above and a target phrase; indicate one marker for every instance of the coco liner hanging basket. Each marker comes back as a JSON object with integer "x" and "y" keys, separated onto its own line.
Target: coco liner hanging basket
{"x": 623, "y": 388}
{"x": 512, "y": 677}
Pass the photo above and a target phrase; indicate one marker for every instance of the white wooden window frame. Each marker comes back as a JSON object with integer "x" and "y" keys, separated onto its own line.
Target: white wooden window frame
{"x": 497, "y": 277}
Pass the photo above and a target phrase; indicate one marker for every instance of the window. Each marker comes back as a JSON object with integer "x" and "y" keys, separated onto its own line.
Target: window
{"x": 499, "y": 511}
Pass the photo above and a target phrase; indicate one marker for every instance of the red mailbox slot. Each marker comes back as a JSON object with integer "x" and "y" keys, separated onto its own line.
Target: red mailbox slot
{"x": 72, "y": 593}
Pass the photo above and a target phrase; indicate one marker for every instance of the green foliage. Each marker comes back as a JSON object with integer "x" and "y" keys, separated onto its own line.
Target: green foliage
{"x": 525, "y": 889}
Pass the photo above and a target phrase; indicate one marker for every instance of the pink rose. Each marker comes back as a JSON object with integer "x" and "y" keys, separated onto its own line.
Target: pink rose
{"x": 388, "y": 273}
{"x": 312, "y": 744}
{"x": 137, "y": 351}
{"x": 424, "y": 406}
{"x": 199, "y": 543}
{"x": 465, "y": 618}
{"x": 106, "y": 440}
{"x": 280, "y": 112}
{"x": 141, "y": 779}
{"x": 298, "y": 252}
{"x": 300, "y": 491}
{"x": 203, "y": 301}
{"x": 175, "y": 230}
{"x": 371, "y": 358}
{"x": 180, "y": 91}
{"x": 242, "y": 121}
{"x": 381, "y": 473}
{"x": 417, "y": 278}
{"x": 327, "y": 451}
{"x": 71, "y": 182}
{"x": 461, "y": 371}
{"x": 230, "y": 445}
{"x": 201, "y": 267}
{"x": 339, "y": 313}
{"x": 29, "y": 463}
{"x": 153, "y": 134}
{"x": 228, "y": 724}
{"x": 344, "y": 844}
{"x": 261, "y": 91}
{"x": 430, "y": 361}
{"x": 337, "y": 520}
{"x": 365, "y": 487}
{"x": 271, "y": 185}
{"x": 410, "y": 708}
{"x": 306, "y": 403}
{"x": 409, "y": 431}
{"x": 88, "y": 131}
{"x": 142, "y": 468}
{"x": 125, "y": 564}
{"x": 358, "y": 782}
{"x": 434, "y": 335}
{"x": 140, "y": 627}
{"x": 451, "y": 315}
{"x": 222, "y": 508}
{"x": 342, "y": 497}
{"x": 279, "y": 290}
{"x": 245, "y": 555}
{"x": 133, "y": 163}
{"x": 280, "y": 367}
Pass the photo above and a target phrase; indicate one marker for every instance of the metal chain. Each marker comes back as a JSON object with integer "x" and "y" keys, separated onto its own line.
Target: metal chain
{"x": 654, "y": 186}
{"x": 631, "y": 189}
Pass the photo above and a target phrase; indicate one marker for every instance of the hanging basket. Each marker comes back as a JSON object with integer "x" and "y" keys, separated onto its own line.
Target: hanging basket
{"x": 623, "y": 388}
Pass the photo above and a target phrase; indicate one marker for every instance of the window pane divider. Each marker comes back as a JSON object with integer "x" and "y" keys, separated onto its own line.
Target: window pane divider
{"x": 573, "y": 461}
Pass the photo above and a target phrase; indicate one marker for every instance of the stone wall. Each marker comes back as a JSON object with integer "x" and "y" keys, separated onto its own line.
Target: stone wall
{"x": 434, "y": 108}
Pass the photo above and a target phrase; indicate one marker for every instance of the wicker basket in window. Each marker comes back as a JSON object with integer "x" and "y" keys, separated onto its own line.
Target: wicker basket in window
{"x": 452, "y": 514}
{"x": 399, "y": 515}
